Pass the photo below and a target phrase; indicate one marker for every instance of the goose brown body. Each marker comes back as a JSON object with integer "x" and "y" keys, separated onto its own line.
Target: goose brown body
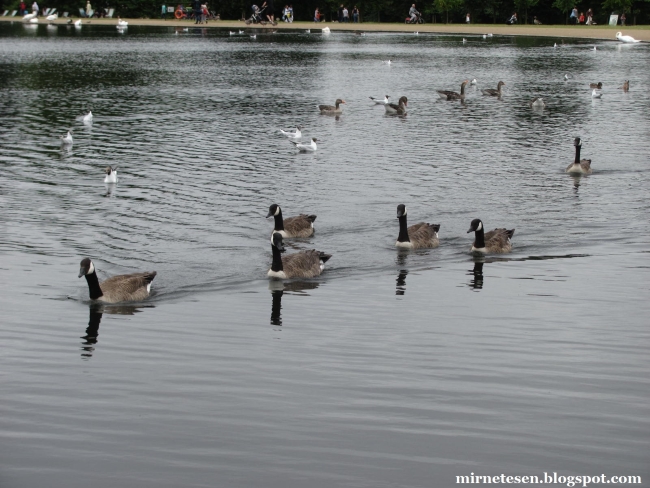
{"x": 579, "y": 166}
{"x": 299, "y": 226}
{"x": 122, "y": 288}
{"x": 496, "y": 241}
{"x": 303, "y": 264}
{"x": 332, "y": 109}
{"x": 418, "y": 236}
{"x": 452, "y": 95}
{"x": 400, "y": 109}
{"x": 492, "y": 92}
{"x": 598, "y": 85}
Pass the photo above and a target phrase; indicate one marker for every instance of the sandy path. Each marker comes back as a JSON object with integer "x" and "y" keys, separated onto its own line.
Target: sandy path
{"x": 580, "y": 32}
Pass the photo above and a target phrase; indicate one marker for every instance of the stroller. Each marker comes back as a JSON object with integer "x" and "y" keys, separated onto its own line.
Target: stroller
{"x": 256, "y": 18}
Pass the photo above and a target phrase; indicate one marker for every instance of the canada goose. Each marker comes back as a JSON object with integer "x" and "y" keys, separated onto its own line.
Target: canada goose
{"x": 492, "y": 92}
{"x": 122, "y": 288}
{"x": 452, "y": 95}
{"x": 66, "y": 140}
{"x": 111, "y": 175}
{"x": 598, "y": 85}
{"x": 294, "y": 135}
{"x": 299, "y": 226}
{"x": 496, "y": 241}
{"x": 419, "y": 236}
{"x": 303, "y": 264}
{"x": 379, "y": 101}
{"x": 332, "y": 109}
{"x": 579, "y": 166}
{"x": 537, "y": 102}
{"x": 400, "y": 109}
{"x": 311, "y": 147}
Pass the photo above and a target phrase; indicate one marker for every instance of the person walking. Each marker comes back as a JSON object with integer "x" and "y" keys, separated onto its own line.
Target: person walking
{"x": 196, "y": 10}
{"x": 573, "y": 18}
{"x": 355, "y": 15}
{"x": 590, "y": 14}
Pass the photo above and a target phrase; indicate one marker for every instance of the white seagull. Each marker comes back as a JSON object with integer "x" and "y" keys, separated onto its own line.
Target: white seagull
{"x": 555, "y": 45}
{"x": 594, "y": 49}
{"x": 326, "y": 30}
{"x": 88, "y": 118}
{"x": 311, "y": 147}
{"x": 489, "y": 35}
{"x": 537, "y": 103}
{"x": 308, "y": 31}
{"x": 566, "y": 77}
{"x": 379, "y": 101}
{"x": 111, "y": 175}
{"x": 294, "y": 135}
{"x": 232, "y": 33}
{"x": 622, "y": 38}
{"x": 66, "y": 140}
{"x": 416, "y": 33}
{"x": 596, "y": 94}
{"x": 254, "y": 36}
{"x": 464, "y": 41}
{"x": 473, "y": 82}
{"x": 484, "y": 36}
{"x": 241, "y": 31}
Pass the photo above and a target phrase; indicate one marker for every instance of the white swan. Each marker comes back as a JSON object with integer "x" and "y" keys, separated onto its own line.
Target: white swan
{"x": 326, "y": 30}
{"x": 66, "y": 140}
{"x": 33, "y": 21}
{"x": 77, "y": 23}
{"x": 622, "y": 38}
{"x": 311, "y": 147}
{"x": 52, "y": 17}
{"x": 122, "y": 23}
{"x": 294, "y": 135}
{"x": 596, "y": 94}
{"x": 29, "y": 16}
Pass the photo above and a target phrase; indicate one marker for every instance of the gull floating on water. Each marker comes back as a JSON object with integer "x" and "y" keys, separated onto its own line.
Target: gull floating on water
{"x": 254, "y": 36}
{"x": 311, "y": 147}
{"x": 622, "y": 38}
{"x": 484, "y": 36}
{"x": 416, "y": 33}
{"x": 111, "y": 175}
{"x": 473, "y": 82}
{"x": 326, "y": 30}
{"x": 86, "y": 118}
{"x": 232, "y": 33}
{"x": 594, "y": 49}
{"x": 489, "y": 35}
{"x": 389, "y": 62}
{"x": 537, "y": 102}
{"x": 241, "y": 31}
{"x": 66, "y": 140}
{"x": 77, "y": 23}
{"x": 294, "y": 135}
{"x": 555, "y": 45}
{"x": 596, "y": 94}
{"x": 379, "y": 101}
{"x": 464, "y": 41}
{"x": 308, "y": 31}
{"x": 566, "y": 77}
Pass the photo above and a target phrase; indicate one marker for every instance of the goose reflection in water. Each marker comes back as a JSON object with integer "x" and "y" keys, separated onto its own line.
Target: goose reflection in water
{"x": 400, "y": 288}
{"x": 476, "y": 282}
{"x": 278, "y": 288}
{"x": 92, "y": 331}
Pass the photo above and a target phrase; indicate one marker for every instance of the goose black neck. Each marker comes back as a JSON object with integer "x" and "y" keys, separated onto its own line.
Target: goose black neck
{"x": 279, "y": 222}
{"x": 277, "y": 259}
{"x": 403, "y": 231}
{"x": 479, "y": 240}
{"x": 93, "y": 286}
{"x": 462, "y": 89}
{"x": 577, "y": 161}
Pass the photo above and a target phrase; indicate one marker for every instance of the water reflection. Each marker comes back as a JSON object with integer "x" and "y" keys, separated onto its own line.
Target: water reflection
{"x": 278, "y": 288}
{"x": 97, "y": 311}
{"x": 400, "y": 288}
{"x": 476, "y": 282}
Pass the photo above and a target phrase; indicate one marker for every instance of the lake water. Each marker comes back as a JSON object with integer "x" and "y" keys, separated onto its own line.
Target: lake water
{"x": 391, "y": 369}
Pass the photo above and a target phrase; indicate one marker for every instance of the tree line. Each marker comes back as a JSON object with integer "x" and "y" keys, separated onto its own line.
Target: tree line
{"x": 440, "y": 11}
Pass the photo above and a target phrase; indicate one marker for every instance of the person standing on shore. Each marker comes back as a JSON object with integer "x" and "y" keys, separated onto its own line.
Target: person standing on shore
{"x": 467, "y": 18}
{"x": 346, "y": 15}
{"x": 35, "y": 7}
{"x": 573, "y": 18}
{"x": 341, "y": 14}
{"x": 623, "y": 18}
{"x": 163, "y": 11}
{"x": 196, "y": 10}
{"x": 590, "y": 15}
{"x": 355, "y": 15}
{"x": 316, "y": 15}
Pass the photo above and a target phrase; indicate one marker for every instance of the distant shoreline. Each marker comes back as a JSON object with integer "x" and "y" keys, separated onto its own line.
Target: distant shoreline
{"x": 601, "y": 32}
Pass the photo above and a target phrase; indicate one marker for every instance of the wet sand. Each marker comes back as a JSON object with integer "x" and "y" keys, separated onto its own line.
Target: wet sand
{"x": 580, "y": 32}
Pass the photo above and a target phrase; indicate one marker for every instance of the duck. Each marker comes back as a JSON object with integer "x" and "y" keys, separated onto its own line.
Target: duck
{"x": 579, "y": 166}
{"x": 492, "y": 92}
{"x": 419, "y": 236}
{"x": 626, "y": 86}
{"x": 598, "y": 85}
{"x": 311, "y": 147}
{"x": 628, "y": 39}
{"x": 379, "y": 101}
{"x": 66, "y": 140}
{"x": 452, "y": 95}
{"x": 596, "y": 94}
{"x": 496, "y": 241}
{"x": 122, "y": 23}
{"x": 326, "y": 30}
{"x": 293, "y": 135}
{"x": 122, "y": 288}
{"x": 303, "y": 264}
{"x": 299, "y": 226}
{"x": 537, "y": 102}
{"x": 111, "y": 175}
{"x": 400, "y": 109}
{"x": 332, "y": 109}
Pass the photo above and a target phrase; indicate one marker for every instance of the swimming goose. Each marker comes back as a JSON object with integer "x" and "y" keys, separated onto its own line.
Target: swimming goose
{"x": 332, "y": 109}
{"x": 326, "y": 30}
{"x": 111, "y": 175}
{"x": 400, "y": 109}
{"x": 492, "y": 92}
{"x": 300, "y": 226}
{"x": 598, "y": 85}
{"x": 579, "y": 166}
{"x": 496, "y": 241}
{"x": 303, "y": 264}
{"x": 311, "y": 147}
{"x": 419, "y": 236}
{"x": 122, "y": 23}
{"x": 537, "y": 102}
{"x": 294, "y": 135}
{"x": 452, "y": 95}
{"x": 66, "y": 140}
{"x": 622, "y": 38}
{"x": 379, "y": 101}
{"x": 596, "y": 94}
{"x": 122, "y": 288}
{"x": 626, "y": 86}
